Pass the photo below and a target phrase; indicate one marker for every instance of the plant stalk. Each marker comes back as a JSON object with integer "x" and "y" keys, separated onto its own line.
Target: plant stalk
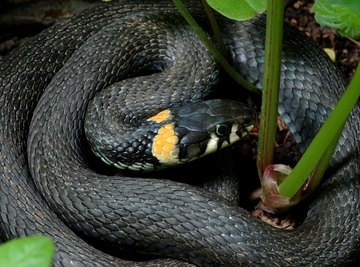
{"x": 271, "y": 81}
{"x": 212, "y": 49}
{"x": 327, "y": 134}
{"x": 215, "y": 28}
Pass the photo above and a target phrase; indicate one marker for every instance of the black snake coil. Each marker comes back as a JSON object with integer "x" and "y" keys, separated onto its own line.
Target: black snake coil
{"x": 155, "y": 216}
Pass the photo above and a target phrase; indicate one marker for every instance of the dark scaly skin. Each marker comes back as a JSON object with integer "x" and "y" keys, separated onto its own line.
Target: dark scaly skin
{"x": 210, "y": 232}
{"x": 23, "y": 210}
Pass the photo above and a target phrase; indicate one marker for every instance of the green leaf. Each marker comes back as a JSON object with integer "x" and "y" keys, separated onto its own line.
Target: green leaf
{"x": 34, "y": 251}
{"x": 342, "y": 15}
{"x": 238, "y": 9}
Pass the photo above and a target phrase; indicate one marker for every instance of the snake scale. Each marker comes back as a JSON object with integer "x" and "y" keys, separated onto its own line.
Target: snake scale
{"x": 159, "y": 217}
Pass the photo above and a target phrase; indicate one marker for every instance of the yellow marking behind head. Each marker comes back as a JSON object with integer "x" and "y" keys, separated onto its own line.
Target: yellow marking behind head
{"x": 164, "y": 145}
{"x": 161, "y": 116}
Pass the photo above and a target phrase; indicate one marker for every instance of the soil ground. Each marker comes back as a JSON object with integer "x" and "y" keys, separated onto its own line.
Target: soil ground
{"x": 301, "y": 15}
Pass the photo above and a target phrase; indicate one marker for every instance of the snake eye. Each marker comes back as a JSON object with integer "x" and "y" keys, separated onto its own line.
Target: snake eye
{"x": 222, "y": 130}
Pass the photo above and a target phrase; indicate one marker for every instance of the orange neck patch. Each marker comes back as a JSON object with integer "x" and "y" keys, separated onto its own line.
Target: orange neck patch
{"x": 161, "y": 116}
{"x": 164, "y": 145}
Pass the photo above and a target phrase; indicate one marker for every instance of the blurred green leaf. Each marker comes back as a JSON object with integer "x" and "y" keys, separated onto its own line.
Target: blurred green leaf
{"x": 34, "y": 251}
{"x": 342, "y": 15}
{"x": 238, "y": 9}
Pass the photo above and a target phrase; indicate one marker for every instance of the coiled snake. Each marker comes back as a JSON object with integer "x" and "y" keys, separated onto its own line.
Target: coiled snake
{"x": 159, "y": 217}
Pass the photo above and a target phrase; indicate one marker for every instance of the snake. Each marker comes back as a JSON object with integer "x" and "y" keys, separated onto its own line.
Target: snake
{"x": 48, "y": 187}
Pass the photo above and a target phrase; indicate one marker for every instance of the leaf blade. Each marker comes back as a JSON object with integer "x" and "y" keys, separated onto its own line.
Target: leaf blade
{"x": 238, "y": 9}
{"x": 342, "y": 15}
{"x": 34, "y": 251}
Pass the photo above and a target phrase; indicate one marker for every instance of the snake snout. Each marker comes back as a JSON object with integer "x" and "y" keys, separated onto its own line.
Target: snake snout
{"x": 205, "y": 127}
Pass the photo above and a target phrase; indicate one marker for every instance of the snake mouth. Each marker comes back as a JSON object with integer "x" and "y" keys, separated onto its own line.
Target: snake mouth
{"x": 245, "y": 131}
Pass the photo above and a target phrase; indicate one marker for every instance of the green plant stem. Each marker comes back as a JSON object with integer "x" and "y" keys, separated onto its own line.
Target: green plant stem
{"x": 271, "y": 81}
{"x": 321, "y": 167}
{"x": 327, "y": 134}
{"x": 212, "y": 49}
{"x": 215, "y": 28}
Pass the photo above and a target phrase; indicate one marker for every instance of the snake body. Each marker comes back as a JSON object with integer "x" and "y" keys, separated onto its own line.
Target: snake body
{"x": 159, "y": 217}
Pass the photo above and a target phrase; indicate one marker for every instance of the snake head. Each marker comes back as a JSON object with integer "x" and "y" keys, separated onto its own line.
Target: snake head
{"x": 175, "y": 135}
{"x": 201, "y": 128}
